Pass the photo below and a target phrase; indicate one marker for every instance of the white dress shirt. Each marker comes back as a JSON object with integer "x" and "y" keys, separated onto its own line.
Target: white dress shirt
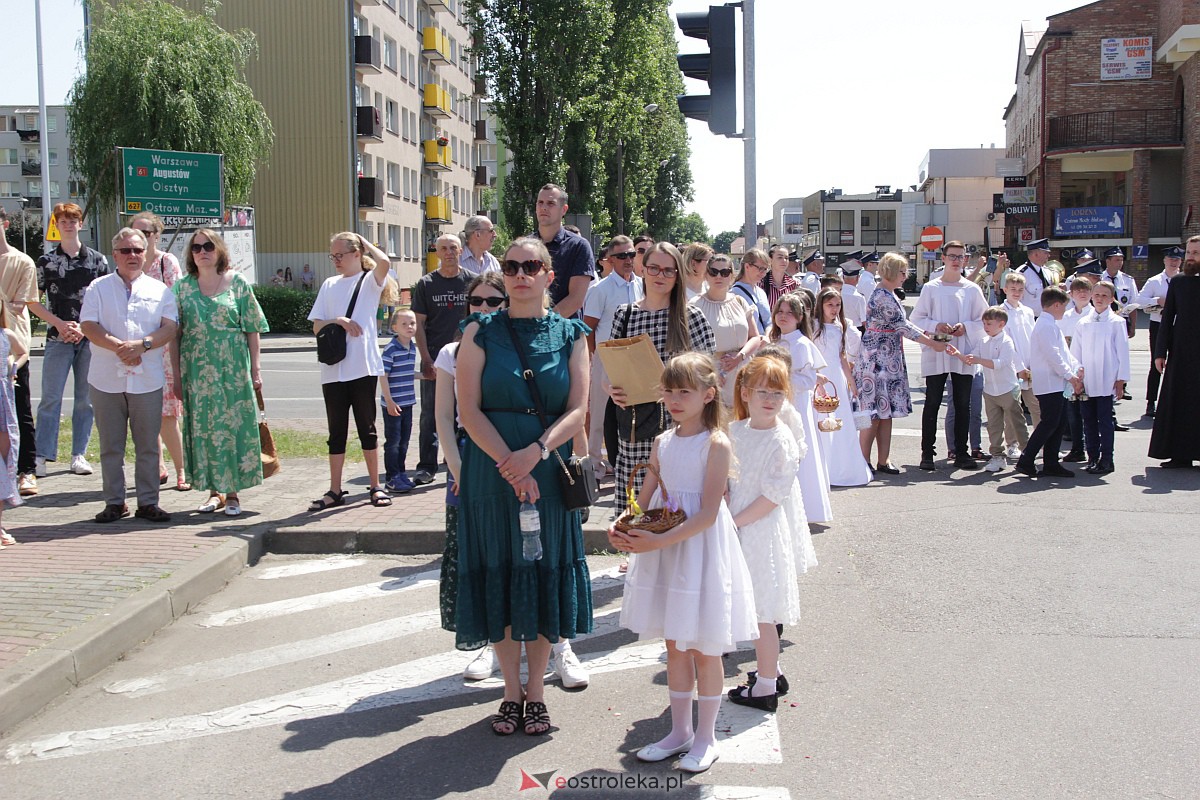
{"x": 1049, "y": 360}
{"x": 129, "y": 316}
{"x": 809, "y": 280}
{"x": 1071, "y": 318}
{"x": 950, "y": 303}
{"x": 854, "y": 305}
{"x": 605, "y": 296}
{"x": 1154, "y": 293}
{"x": 1019, "y": 328}
{"x": 866, "y": 284}
{"x": 1001, "y": 379}
{"x": 469, "y": 262}
{"x": 1101, "y": 345}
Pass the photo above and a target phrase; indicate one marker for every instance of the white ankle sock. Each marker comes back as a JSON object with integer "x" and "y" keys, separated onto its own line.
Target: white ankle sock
{"x": 681, "y": 720}
{"x": 763, "y": 686}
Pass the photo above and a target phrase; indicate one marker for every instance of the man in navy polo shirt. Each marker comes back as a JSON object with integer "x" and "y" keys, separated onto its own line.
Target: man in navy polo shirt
{"x": 574, "y": 264}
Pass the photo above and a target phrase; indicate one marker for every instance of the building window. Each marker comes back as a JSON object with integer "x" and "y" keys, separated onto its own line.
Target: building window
{"x": 389, "y": 53}
{"x": 51, "y": 124}
{"x": 879, "y": 228}
{"x": 793, "y": 223}
{"x": 34, "y": 189}
{"x": 814, "y": 224}
{"x": 393, "y": 179}
{"x": 55, "y": 189}
{"x": 8, "y": 156}
{"x": 394, "y": 233}
{"x": 404, "y": 73}
{"x": 77, "y": 188}
{"x": 839, "y": 228}
{"x": 9, "y": 189}
{"x": 31, "y": 122}
{"x": 404, "y": 119}
{"x": 391, "y": 117}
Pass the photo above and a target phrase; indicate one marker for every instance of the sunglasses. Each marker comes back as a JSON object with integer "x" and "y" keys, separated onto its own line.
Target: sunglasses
{"x": 130, "y": 251}
{"x": 654, "y": 270}
{"x": 490, "y": 302}
{"x": 630, "y": 256}
{"x": 531, "y": 267}
{"x": 207, "y": 247}
{"x": 713, "y": 272}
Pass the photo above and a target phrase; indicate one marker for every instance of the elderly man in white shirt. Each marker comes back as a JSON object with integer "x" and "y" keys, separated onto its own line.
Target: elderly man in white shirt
{"x": 478, "y": 236}
{"x": 129, "y": 318}
{"x": 620, "y": 287}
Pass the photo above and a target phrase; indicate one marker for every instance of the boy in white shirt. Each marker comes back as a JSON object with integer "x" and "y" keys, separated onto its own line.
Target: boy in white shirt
{"x": 1101, "y": 345}
{"x": 1079, "y": 307}
{"x": 1019, "y": 329}
{"x": 1052, "y": 368}
{"x": 1000, "y": 361}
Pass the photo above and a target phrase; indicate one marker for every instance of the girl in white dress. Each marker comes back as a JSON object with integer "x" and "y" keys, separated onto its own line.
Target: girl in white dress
{"x": 690, "y": 584}
{"x": 769, "y": 513}
{"x": 787, "y": 318}
{"x": 12, "y": 355}
{"x": 840, "y": 345}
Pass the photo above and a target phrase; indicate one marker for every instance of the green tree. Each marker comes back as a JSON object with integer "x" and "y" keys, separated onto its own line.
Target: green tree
{"x": 161, "y": 77}
{"x": 723, "y": 241}
{"x": 23, "y": 225}
{"x": 538, "y": 57}
{"x": 690, "y": 228}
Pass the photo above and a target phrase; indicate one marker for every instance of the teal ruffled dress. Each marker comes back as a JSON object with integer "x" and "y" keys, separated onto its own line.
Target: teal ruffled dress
{"x": 497, "y": 588}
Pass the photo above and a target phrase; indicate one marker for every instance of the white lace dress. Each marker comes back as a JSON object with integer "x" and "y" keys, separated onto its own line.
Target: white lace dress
{"x": 777, "y": 547}
{"x": 840, "y": 449}
{"x": 697, "y": 593}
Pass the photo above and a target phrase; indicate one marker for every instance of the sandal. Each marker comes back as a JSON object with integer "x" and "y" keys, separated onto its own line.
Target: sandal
{"x": 379, "y": 497}
{"x": 112, "y": 513}
{"x": 213, "y": 503}
{"x": 509, "y": 714}
{"x": 335, "y": 499}
{"x": 181, "y": 484}
{"x": 535, "y": 715}
{"x": 163, "y": 477}
{"x": 6, "y": 538}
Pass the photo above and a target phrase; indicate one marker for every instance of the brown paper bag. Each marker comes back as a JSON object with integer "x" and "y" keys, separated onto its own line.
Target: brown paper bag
{"x": 633, "y": 364}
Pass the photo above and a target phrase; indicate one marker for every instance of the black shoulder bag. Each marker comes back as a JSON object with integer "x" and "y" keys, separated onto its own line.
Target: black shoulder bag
{"x": 578, "y": 478}
{"x": 331, "y": 340}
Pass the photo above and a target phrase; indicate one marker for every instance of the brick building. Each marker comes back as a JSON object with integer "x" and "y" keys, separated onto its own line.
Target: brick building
{"x": 1104, "y": 117}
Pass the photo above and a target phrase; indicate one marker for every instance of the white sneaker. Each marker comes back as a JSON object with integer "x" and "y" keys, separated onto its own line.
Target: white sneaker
{"x": 80, "y": 466}
{"x": 1014, "y": 452}
{"x": 567, "y": 667}
{"x": 39, "y": 467}
{"x": 482, "y": 666}
{"x": 996, "y": 464}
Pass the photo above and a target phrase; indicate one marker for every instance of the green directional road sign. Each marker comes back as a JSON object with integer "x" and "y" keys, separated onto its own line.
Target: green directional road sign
{"x": 172, "y": 183}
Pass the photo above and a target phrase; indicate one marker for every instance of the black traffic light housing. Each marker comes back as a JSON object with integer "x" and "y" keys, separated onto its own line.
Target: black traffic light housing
{"x": 718, "y": 66}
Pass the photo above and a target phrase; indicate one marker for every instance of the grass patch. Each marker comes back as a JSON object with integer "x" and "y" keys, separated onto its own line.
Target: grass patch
{"x": 289, "y": 443}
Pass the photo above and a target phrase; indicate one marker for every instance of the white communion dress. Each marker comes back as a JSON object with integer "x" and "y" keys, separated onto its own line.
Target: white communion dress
{"x": 840, "y": 449}
{"x": 814, "y": 480}
{"x": 698, "y": 592}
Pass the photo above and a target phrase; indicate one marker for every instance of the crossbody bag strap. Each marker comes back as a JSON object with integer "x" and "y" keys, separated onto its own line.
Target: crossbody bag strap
{"x": 354, "y": 297}
{"x": 527, "y": 373}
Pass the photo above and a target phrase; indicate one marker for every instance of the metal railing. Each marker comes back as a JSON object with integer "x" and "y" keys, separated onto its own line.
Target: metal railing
{"x": 1106, "y": 128}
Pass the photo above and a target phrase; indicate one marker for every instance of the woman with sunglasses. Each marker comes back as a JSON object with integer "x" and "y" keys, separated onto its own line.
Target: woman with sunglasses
{"x": 674, "y": 327}
{"x": 217, "y": 369}
{"x": 350, "y": 383}
{"x": 164, "y": 267}
{"x": 508, "y": 460}
{"x": 749, "y": 276}
{"x": 731, "y": 318}
{"x": 695, "y": 258}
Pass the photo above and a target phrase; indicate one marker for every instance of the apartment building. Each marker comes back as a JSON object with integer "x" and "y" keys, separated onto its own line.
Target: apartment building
{"x": 21, "y": 133}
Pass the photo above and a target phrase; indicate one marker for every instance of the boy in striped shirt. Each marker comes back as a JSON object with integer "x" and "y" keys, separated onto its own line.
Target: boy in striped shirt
{"x": 398, "y": 397}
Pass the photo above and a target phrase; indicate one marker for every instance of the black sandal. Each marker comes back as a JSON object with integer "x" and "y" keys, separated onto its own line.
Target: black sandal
{"x": 379, "y": 497}
{"x": 509, "y": 714}
{"x": 535, "y": 714}
{"x": 112, "y": 513}
{"x": 335, "y": 499}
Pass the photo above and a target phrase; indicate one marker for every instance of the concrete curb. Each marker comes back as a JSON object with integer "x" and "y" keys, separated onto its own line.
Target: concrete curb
{"x": 43, "y": 676}
{"x": 312, "y": 539}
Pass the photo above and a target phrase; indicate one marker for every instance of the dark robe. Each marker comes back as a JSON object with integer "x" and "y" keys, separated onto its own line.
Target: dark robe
{"x": 1176, "y": 425}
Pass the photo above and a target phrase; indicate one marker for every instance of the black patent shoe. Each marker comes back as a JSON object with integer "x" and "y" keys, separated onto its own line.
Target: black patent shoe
{"x": 781, "y": 683}
{"x": 741, "y": 697}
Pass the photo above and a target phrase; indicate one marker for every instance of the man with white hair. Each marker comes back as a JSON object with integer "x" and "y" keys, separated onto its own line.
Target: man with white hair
{"x": 439, "y": 301}
{"x": 129, "y": 318}
{"x": 479, "y": 234}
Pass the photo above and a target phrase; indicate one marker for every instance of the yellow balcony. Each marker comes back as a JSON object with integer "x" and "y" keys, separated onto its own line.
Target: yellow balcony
{"x": 437, "y": 209}
{"x": 437, "y": 156}
{"x": 432, "y": 262}
{"x": 437, "y": 101}
{"x": 435, "y": 46}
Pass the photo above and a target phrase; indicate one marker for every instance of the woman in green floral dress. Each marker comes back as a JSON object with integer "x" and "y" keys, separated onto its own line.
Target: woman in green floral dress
{"x": 217, "y": 361}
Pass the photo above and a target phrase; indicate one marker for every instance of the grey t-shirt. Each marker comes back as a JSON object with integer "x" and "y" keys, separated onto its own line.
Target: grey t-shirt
{"x": 443, "y": 301}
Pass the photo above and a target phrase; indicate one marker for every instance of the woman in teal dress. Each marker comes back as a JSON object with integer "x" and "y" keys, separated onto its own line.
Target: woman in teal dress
{"x": 216, "y": 359}
{"x": 502, "y": 598}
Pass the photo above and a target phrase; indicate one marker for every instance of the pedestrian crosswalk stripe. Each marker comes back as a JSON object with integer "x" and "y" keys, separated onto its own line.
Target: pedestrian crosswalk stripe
{"x": 353, "y": 594}
{"x": 266, "y": 658}
{"x": 749, "y": 736}
{"x": 306, "y": 567}
{"x": 744, "y": 792}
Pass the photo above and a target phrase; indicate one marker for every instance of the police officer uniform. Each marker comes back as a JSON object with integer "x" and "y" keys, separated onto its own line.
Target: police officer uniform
{"x": 854, "y": 303}
{"x": 1035, "y": 278}
{"x": 1127, "y": 290}
{"x": 811, "y": 280}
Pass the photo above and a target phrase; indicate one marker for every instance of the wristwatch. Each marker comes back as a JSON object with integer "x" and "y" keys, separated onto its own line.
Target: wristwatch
{"x": 146, "y": 343}
{"x": 545, "y": 450}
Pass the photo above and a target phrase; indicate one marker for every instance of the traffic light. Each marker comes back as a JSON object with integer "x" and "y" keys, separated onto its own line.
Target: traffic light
{"x": 718, "y": 66}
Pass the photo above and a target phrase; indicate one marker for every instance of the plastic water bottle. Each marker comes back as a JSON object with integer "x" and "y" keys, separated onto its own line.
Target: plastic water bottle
{"x": 531, "y": 532}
